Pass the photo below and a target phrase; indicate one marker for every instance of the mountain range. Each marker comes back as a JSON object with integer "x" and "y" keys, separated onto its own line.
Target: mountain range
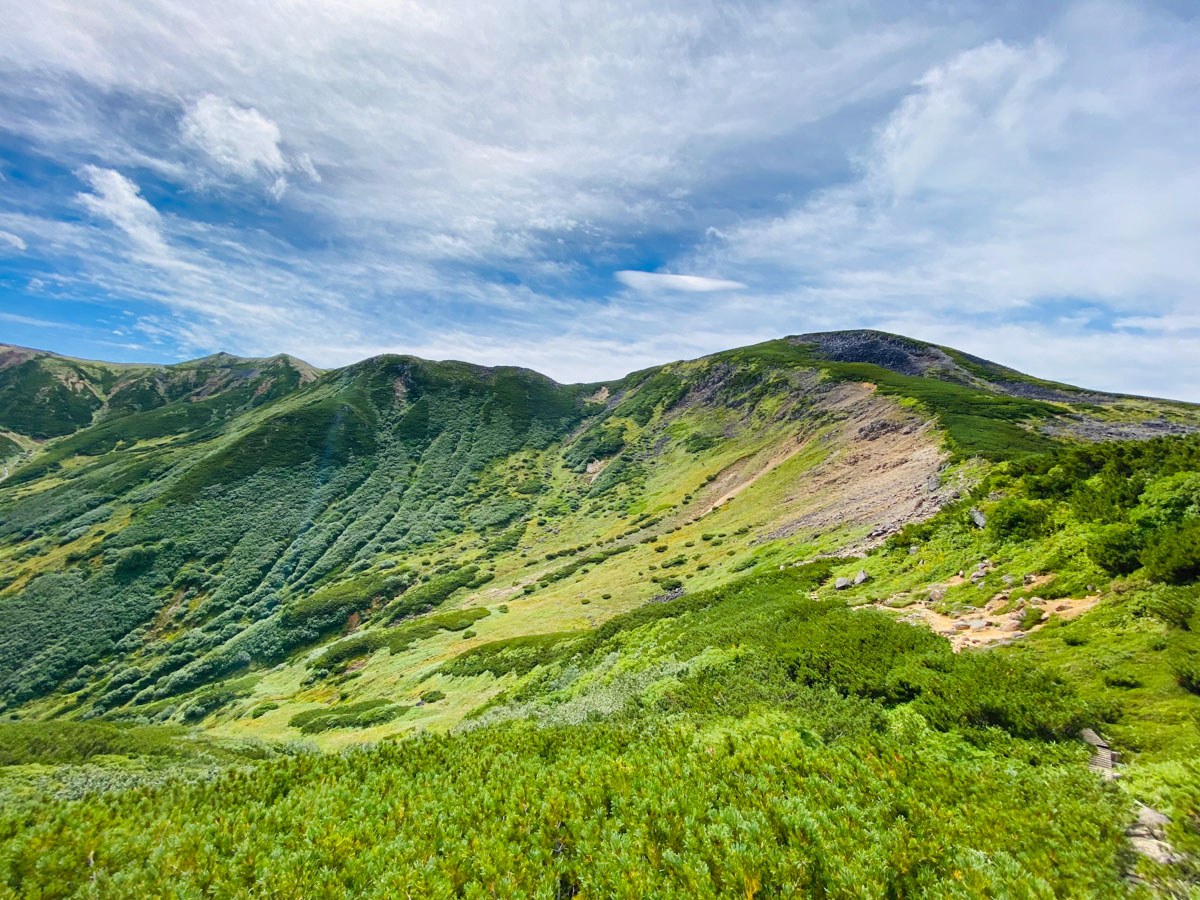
{"x": 258, "y": 551}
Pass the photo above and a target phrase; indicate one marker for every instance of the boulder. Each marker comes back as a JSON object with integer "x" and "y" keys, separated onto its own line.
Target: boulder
{"x": 978, "y": 517}
{"x": 1152, "y": 818}
{"x": 841, "y": 584}
{"x": 862, "y": 577}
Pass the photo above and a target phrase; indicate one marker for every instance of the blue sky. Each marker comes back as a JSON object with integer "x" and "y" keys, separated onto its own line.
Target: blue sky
{"x": 590, "y": 188}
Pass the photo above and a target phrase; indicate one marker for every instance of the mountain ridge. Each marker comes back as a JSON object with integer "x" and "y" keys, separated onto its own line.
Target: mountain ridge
{"x": 840, "y": 547}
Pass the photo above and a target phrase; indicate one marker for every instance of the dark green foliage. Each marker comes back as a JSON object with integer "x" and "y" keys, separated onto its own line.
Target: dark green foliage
{"x": 1172, "y": 553}
{"x": 519, "y": 655}
{"x": 507, "y": 540}
{"x": 339, "y": 600}
{"x": 1115, "y": 548}
{"x": 330, "y": 433}
{"x": 45, "y": 399}
{"x": 592, "y": 559}
{"x": 432, "y": 593}
{"x": 348, "y": 715}
{"x": 1017, "y": 519}
{"x": 58, "y": 743}
{"x": 1184, "y": 654}
{"x": 658, "y": 393}
{"x": 398, "y": 638}
{"x": 598, "y": 442}
{"x": 133, "y": 562}
{"x": 433, "y": 696}
{"x": 498, "y": 513}
{"x": 696, "y": 442}
{"x": 597, "y": 811}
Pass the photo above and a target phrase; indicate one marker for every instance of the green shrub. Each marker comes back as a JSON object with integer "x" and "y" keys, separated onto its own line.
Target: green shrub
{"x": 1115, "y": 548}
{"x": 262, "y": 709}
{"x": 72, "y": 743}
{"x": 1017, "y": 520}
{"x": 1173, "y": 554}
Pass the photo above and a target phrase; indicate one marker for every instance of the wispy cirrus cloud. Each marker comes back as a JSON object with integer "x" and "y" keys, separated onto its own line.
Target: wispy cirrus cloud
{"x": 652, "y": 282}
{"x": 336, "y": 180}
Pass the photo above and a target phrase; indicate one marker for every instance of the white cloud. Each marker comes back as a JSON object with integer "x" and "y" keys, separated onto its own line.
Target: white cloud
{"x": 238, "y": 139}
{"x": 13, "y": 240}
{"x": 451, "y": 174}
{"x": 16, "y": 319}
{"x": 118, "y": 200}
{"x": 651, "y": 282}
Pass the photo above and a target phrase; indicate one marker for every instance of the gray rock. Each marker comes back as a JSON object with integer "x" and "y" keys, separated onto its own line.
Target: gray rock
{"x": 937, "y": 595}
{"x": 912, "y": 549}
{"x": 961, "y": 626}
{"x": 1152, "y": 818}
{"x": 841, "y": 584}
{"x": 978, "y": 517}
{"x": 1155, "y": 850}
{"x": 862, "y": 577}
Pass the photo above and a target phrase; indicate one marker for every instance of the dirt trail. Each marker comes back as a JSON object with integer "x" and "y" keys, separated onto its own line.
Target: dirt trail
{"x": 986, "y": 626}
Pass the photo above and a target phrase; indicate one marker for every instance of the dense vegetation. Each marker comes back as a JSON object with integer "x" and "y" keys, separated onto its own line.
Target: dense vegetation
{"x": 619, "y": 659}
{"x": 733, "y": 771}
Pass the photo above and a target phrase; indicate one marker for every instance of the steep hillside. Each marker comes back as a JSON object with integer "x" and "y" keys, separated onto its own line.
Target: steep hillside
{"x": 697, "y": 566}
{"x": 224, "y": 514}
{"x": 43, "y": 395}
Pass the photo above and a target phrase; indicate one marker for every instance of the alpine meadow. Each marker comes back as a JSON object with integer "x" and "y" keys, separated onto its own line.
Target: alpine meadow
{"x": 839, "y": 615}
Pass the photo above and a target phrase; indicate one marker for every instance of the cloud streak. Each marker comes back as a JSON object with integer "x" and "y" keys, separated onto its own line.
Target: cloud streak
{"x": 334, "y": 180}
{"x": 653, "y": 282}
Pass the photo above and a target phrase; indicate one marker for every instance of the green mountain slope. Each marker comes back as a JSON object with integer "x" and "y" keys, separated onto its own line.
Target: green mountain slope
{"x": 647, "y": 568}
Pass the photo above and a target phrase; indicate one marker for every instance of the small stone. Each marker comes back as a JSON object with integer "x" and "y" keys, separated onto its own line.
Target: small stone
{"x": 1036, "y": 601}
{"x": 1007, "y": 579}
{"x": 841, "y": 584}
{"x": 937, "y": 595}
{"x": 978, "y": 518}
{"x": 1028, "y": 579}
{"x": 961, "y": 626}
{"x": 1061, "y": 607}
{"x": 861, "y": 577}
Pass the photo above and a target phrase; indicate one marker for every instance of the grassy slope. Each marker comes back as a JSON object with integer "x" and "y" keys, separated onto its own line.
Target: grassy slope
{"x": 690, "y": 434}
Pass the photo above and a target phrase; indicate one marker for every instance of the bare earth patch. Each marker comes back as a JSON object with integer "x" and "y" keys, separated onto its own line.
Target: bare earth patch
{"x": 986, "y": 626}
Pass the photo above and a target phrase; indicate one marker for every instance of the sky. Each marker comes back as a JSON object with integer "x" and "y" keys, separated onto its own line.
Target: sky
{"x": 590, "y": 188}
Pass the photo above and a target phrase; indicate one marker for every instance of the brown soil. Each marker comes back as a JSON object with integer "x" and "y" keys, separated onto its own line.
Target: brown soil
{"x": 986, "y": 626}
{"x": 883, "y": 471}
